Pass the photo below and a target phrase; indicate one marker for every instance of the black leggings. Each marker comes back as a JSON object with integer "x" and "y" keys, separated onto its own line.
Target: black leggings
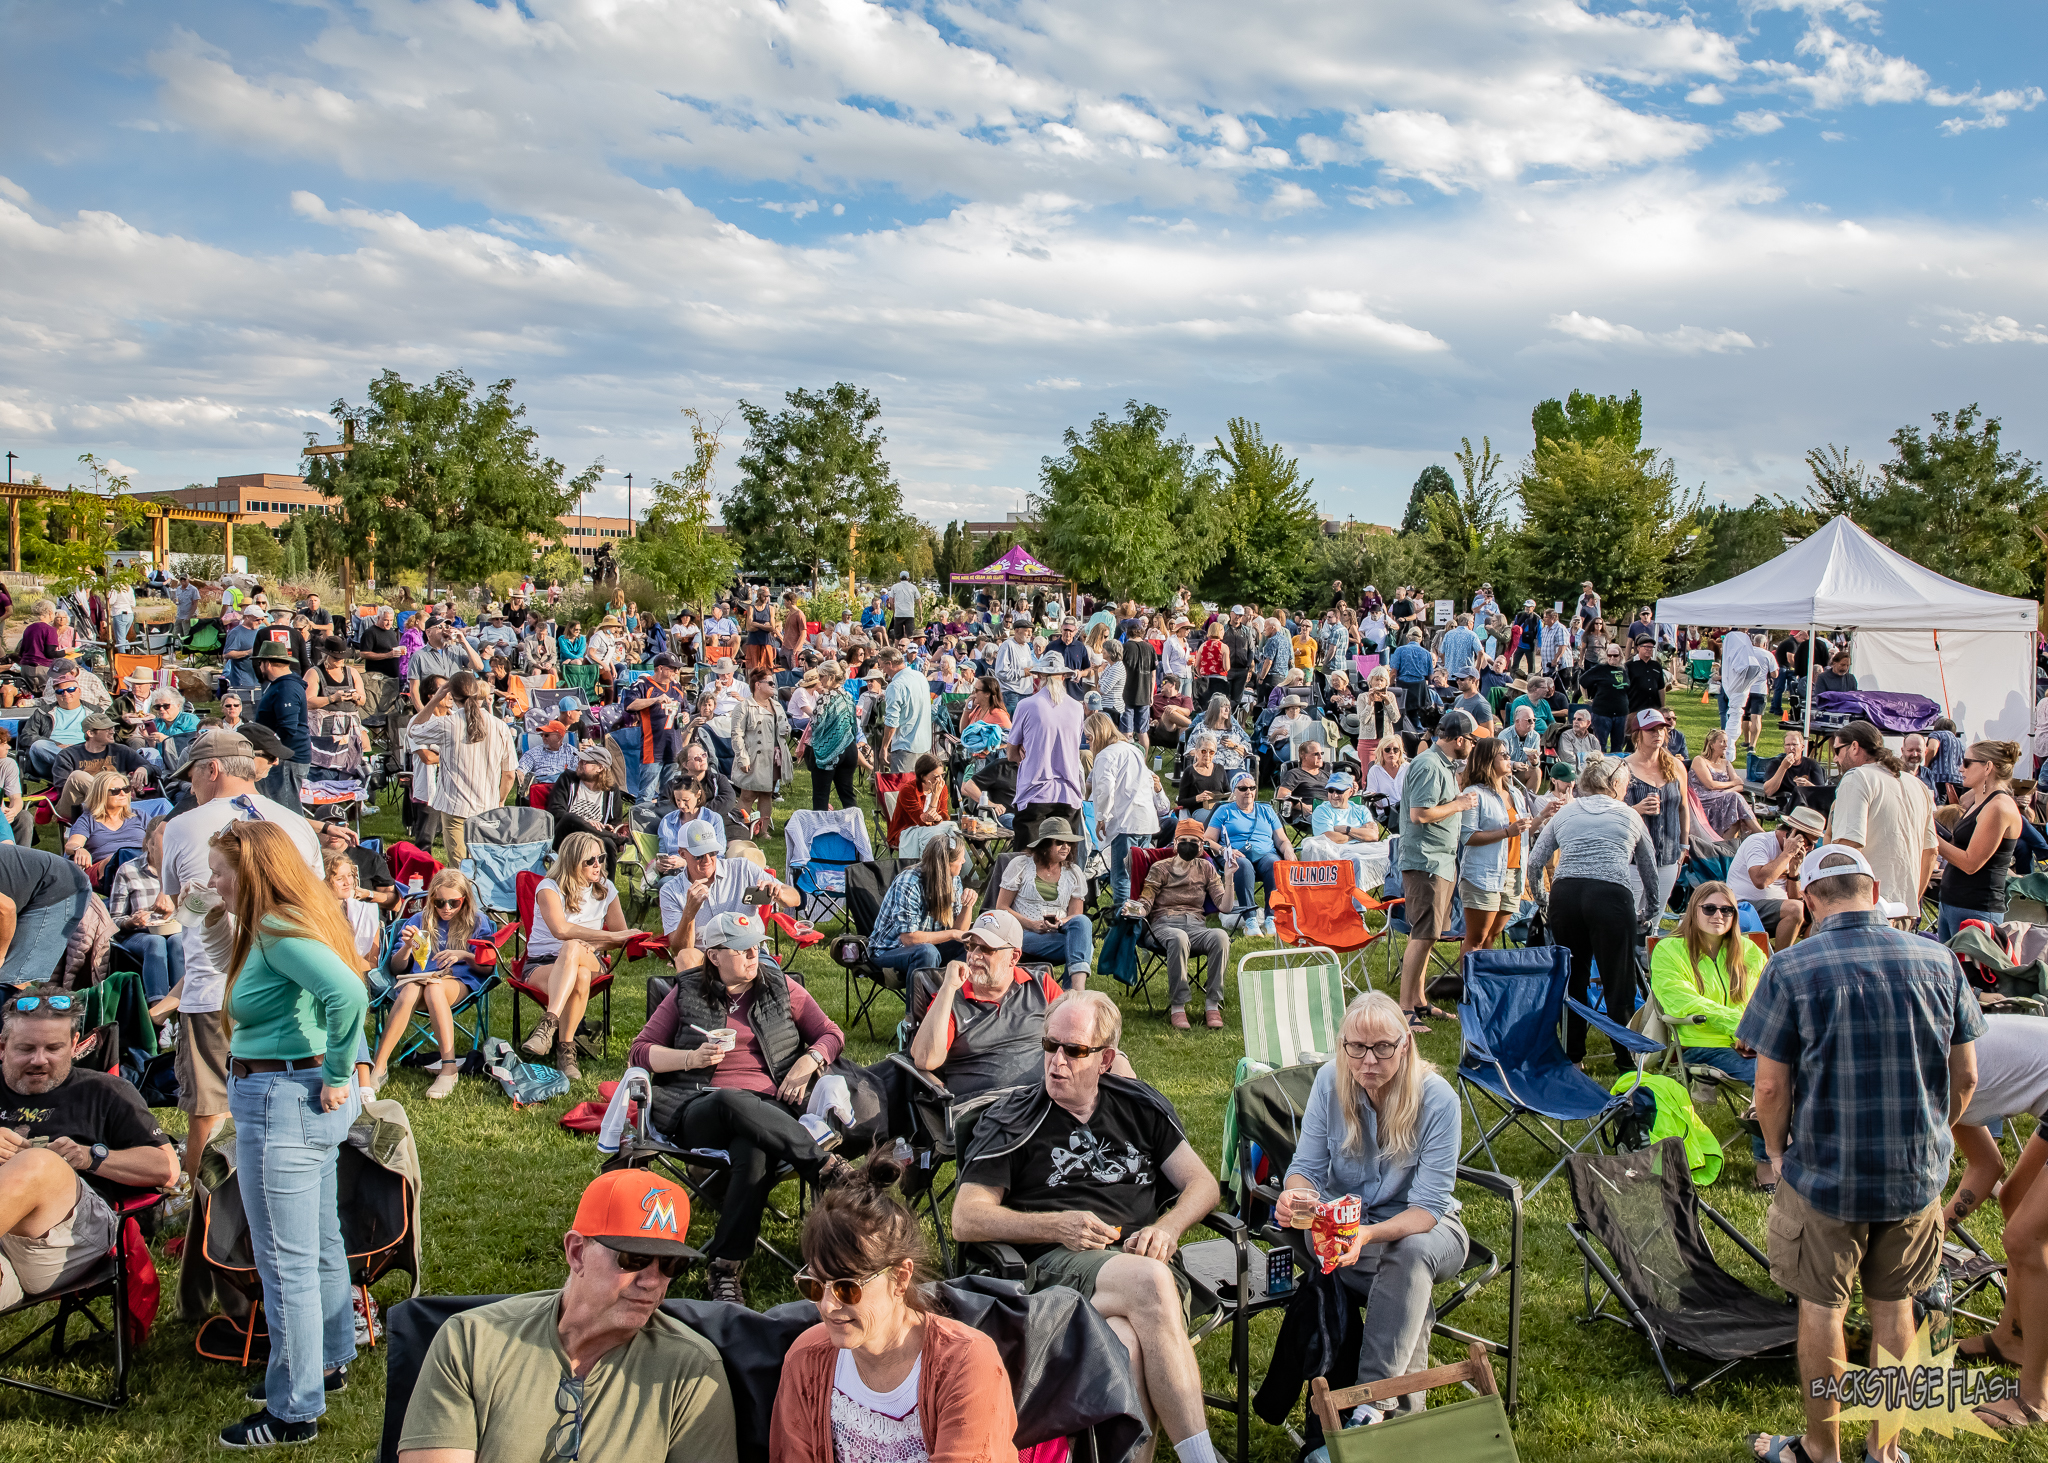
{"x": 760, "y": 1135}
{"x": 841, "y": 777}
{"x": 1596, "y": 921}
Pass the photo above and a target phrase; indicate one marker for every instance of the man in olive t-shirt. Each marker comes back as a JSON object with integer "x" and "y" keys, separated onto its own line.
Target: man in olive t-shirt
{"x": 596, "y": 1362}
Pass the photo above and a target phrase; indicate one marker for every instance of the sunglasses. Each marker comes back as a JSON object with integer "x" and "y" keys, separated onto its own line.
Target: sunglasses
{"x": 1716, "y": 911}
{"x": 67, "y": 690}
{"x": 843, "y": 1292}
{"x": 632, "y": 1264}
{"x": 120, "y": 787}
{"x": 1382, "y": 1050}
{"x": 1973, "y": 761}
{"x": 594, "y": 859}
{"x": 455, "y": 903}
{"x": 1074, "y": 1052}
{"x": 30, "y": 1003}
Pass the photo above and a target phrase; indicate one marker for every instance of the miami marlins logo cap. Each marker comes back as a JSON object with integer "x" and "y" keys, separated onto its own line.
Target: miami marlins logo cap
{"x": 637, "y": 1212}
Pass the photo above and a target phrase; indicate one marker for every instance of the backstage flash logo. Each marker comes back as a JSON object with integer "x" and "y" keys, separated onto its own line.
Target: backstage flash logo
{"x": 1922, "y": 1391}
{"x": 1086, "y": 1158}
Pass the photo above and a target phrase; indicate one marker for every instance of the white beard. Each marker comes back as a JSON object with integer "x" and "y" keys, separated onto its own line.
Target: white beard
{"x": 1056, "y": 689}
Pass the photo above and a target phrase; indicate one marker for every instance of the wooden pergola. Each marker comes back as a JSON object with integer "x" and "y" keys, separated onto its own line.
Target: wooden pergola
{"x": 161, "y": 516}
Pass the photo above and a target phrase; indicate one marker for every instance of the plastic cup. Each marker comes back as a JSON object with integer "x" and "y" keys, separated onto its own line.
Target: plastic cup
{"x": 1304, "y": 1216}
{"x": 724, "y": 1038}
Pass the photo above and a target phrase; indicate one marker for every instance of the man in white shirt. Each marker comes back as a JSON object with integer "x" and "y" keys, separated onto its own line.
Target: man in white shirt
{"x": 725, "y": 695}
{"x": 1173, "y": 658}
{"x": 221, "y": 767}
{"x": 902, "y": 607}
{"x": 476, "y": 770}
{"x": 1014, "y": 662}
{"x": 1763, "y": 872}
{"x": 709, "y": 885}
{"x": 906, "y": 711}
{"x": 1885, "y": 813}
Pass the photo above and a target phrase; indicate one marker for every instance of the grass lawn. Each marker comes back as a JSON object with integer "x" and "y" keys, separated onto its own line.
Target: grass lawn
{"x": 501, "y": 1186}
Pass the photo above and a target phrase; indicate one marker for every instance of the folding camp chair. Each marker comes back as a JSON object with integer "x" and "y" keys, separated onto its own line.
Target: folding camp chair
{"x": 1474, "y": 1430}
{"x": 1644, "y": 1212}
{"x": 866, "y": 979}
{"x": 471, "y": 1015}
{"x": 409, "y": 862}
{"x": 644, "y": 819}
{"x": 504, "y": 843}
{"x": 1151, "y": 955}
{"x": 821, "y": 878}
{"x": 581, "y": 678}
{"x": 126, "y": 1264}
{"x": 889, "y": 788}
{"x": 1651, "y": 1021}
{"x": 526, "y": 885}
{"x": 1266, "y": 1111}
{"x": 1508, "y": 1023}
{"x": 1319, "y": 904}
{"x": 1291, "y": 1003}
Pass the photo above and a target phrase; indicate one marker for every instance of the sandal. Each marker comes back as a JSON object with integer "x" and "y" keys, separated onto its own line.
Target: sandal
{"x": 1416, "y": 1023}
{"x": 2006, "y": 1422}
{"x": 1779, "y": 1448}
{"x": 1432, "y": 1013}
{"x": 1990, "y": 1353}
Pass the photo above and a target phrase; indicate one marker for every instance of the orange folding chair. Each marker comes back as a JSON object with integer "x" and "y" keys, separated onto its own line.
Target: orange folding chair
{"x": 1320, "y": 904}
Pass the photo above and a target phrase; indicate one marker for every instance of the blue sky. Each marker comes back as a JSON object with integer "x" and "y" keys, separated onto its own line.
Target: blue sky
{"x": 1375, "y": 229}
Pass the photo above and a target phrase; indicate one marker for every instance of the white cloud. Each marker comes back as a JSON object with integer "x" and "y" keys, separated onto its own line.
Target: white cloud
{"x": 1686, "y": 340}
{"x": 1758, "y": 123}
{"x": 794, "y": 210}
{"x": 1708, "y": 95}
{"x": 1991, "y": 110}
{"x": 1378, "y": 197}
{"x": 1291, "y": 198}
{"x": 1982, "y": 329}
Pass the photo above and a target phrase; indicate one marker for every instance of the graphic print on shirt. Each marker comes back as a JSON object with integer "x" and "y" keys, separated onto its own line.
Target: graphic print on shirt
{"x": 1087, "y": 1158}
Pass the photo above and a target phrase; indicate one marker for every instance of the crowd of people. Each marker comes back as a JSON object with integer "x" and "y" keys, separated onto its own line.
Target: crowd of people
{"x": 1050, "y": 773}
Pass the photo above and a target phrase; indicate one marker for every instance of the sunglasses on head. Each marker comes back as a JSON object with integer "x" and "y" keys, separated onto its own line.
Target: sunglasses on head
{"x": 1074, "y": 1052}
{"x": 30, "y": 1003}
{"x": 843, "y": 1292}
{"x": 1715, "y": 911}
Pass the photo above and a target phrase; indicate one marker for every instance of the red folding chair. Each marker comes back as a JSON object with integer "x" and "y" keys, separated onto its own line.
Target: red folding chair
{"x": 127, "y": 1277}
{"x": 783, "y": 926}
{"x": 527, "y": 884}
{"x": 409, "y": 861}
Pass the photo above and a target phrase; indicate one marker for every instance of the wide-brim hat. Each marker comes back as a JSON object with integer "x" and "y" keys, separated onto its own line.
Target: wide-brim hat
{"x": 1807, "y": 820}
{"x": 1054, "y": 830}
{"x": 275, "y": 650}
{"x": 1051, "y": 665}
{"x": 610, "y": 622}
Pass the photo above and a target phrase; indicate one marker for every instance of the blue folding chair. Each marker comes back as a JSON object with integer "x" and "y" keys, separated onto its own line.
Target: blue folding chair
{"x": 822, "y": 881}
{"x": 1508, "y": 1021}
{"x": 471, "y": 1015}
{"x": 503, "y": 844}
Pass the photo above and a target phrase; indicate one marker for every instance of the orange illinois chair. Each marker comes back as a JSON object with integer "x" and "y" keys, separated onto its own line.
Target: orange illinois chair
{"x": 1320, "y": 904}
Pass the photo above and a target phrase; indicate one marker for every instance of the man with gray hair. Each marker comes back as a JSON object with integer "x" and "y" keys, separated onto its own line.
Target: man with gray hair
{"x": 1461, "y": 649}
{"x": 1432, "y": 810}
{"x": 906, "y": 711}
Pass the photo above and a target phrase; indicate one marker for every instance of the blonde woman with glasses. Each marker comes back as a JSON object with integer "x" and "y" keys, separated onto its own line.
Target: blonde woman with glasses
{"x": 430, "y": 960}
{"x": 1702, "y": 975}
{"x": 108, "y": 825}
{"x": 576, "y": 918}
{"x": 1382, "y": 1123}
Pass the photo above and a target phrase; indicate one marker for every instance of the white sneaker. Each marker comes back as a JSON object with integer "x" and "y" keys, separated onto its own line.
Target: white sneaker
{"x": 445, "y": 1081}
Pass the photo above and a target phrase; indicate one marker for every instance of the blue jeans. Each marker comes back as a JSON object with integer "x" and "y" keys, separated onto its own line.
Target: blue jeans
{"x": 1120, "y": 864}
{"x": 1010, "y": 700}
{"x": 285, "y": 1149}
{"x": 121, "y": 627}
{"x": 1735, "y": 1064}
{"x": 912, "y": 958}
{"x": 40, "y": 936}
{"x": 1953, "y": 915}
{"x": 1073, "y": 942}
{"x": 1247, "y": 865}
{"x": 42, "y": 757}
{"x": 163, "y": 960}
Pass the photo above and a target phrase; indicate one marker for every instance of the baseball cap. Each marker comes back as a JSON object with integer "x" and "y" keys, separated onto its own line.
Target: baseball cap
{"x": 1561, "y": 769}
{"x": 1648, "y": 717}
{"x": 1455, "y": 723}
{"x": 215, "y": 742}
{"x": 1341, "y": 782}
{"x": 999, "y": 930}
{"x": 731, "y": 930}
{"x": 264, "y": 742}
{"x": 98, "y": 721}
{"x": 700, "y": 838}
{"x": 557, "y": 728}
{"x": 1845, "y": 860}
{"x": 665, "y": 662}
{"x": 635, "y": 1211}
{"x": 1237, "y": 609}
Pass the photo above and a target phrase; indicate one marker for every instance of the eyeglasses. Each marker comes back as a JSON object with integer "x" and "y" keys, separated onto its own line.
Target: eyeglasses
{"x": 632, "y": 1264}
{"x": 55, "y": 1003}
{"x": 843, "y": 1292}
{"x": 565, "y": 1438}
{"x": 455, "y": 903}
{"x": 1717, "y": 911}
{"x": 1384, "y": 1051}
{"x": 1074, "y": 1052}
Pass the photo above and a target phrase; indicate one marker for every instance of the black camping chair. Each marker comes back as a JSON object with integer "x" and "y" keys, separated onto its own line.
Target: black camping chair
{"x": 866, "y": 978}
{"x": 1068, "y": 1373}
{"x": 108, "y": 1279}
{"x": 1642, "y": 1210}
{"x": 1268, "y": 1109}
{"x": 1210, "y": 1309}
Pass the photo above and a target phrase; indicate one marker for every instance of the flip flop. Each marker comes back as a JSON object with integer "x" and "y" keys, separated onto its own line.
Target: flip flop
{"x": 1999, "y": 1422}
{"x": 1779, "y": 1448}
{"x": 1415, "y": 1022}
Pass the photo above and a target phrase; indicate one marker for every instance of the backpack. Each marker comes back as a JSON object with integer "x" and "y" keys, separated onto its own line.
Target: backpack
{"x": 526, "y": 1083}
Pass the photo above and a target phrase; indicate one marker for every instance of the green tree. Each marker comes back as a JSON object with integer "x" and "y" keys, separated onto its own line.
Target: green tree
{"x": 297, "y": 559}
{"x": 1468, "y": 527}
{"x": 675, "y": 548}
{"x": 1365, "y": 554}
{"x": 1734, "y": 541}
{"x": 442, "y": 480}
{"x": 1604, "y": 513}
{"x": 1432, "y": 483}
{"x": 1585, "y": 419}
{"x": 1120, "y": 510}
{"x": 1270, "y": 523}
{"x": 1839, "y": 486}
{"x": 809, "y": 476}
{"x": 81, "y": 526}
{"x": 1957, "y": 501}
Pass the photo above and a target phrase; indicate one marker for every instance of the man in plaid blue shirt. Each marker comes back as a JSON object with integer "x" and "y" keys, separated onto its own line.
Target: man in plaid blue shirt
{"x": 1863, "y": 1039}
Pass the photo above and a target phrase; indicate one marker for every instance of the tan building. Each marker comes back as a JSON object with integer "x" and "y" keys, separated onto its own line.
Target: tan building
{"x": 584, "y": 534}
{"x": 268, "y": 497}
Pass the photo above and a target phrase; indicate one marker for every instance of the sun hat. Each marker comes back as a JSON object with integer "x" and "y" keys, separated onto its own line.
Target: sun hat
{"x": 1051, "y": 665}
{"x": 1809, "y": 820}
{"x": 275, "y": 650}
{"x": 1054, "y": 830}
{"x": 636, "y": 1212}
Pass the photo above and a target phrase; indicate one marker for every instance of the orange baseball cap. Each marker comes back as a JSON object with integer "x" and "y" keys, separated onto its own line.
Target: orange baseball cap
{"x": 637, "y": 1212}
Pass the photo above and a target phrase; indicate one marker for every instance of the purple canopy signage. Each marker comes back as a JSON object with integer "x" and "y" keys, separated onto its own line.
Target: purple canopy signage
{"x": 1015, "y": 567}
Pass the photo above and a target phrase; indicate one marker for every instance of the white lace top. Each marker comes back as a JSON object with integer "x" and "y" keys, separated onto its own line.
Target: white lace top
{"x": 875, "y": 1427}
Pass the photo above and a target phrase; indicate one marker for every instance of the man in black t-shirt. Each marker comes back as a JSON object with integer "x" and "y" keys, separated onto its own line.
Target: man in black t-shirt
{"x": 1078, "y": 1174}
{"x": 42, "y": 899}
{"x": 73, "y": 1145}
{"x": 996, "y": 784}
{"x": 379, "y": 644}
{"x": 1141, "y": 671}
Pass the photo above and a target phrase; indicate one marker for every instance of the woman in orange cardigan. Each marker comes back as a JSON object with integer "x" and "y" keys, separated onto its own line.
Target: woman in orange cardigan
{"x": 922, "y": 802}
{"x": 881, "y": 1376}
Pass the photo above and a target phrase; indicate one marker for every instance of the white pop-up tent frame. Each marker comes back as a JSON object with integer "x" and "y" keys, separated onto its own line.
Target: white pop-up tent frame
{"x": 1914, "y": 630}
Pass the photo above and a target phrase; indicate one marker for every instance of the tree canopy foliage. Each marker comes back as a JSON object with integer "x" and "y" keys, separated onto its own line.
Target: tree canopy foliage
{"x": 1605, "y": 513}
{"x": 1585, "y": 419}
{"x": 442, "y": 480}
{"x": 1466, "y": 533}
{"x": 1432, "y": 483}
{"x": 674, "y": 547}
{"x": 1115, "y": 512}
{"x": 1270, "y": 524}
{"x": 809, "y": 475}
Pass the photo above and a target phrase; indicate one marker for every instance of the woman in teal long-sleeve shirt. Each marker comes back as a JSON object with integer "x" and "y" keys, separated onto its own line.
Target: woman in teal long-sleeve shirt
{"x": 296, "y": 999}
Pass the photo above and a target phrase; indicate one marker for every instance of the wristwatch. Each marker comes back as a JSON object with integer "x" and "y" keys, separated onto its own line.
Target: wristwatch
{"x": 99, "y": 1156}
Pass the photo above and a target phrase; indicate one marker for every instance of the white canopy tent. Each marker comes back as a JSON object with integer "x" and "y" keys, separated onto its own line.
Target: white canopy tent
{"x": 1968, "y": 649}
